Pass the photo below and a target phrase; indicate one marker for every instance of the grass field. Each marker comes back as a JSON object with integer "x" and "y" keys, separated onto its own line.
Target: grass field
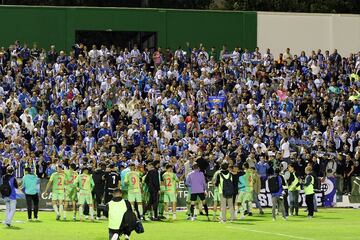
{"x": 328, "y": 224}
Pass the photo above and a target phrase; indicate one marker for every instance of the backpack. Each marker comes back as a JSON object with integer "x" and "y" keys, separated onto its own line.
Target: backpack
{"x": 273, "y": 184}
{"x": 228, "y": 186}
{"x": 5, "y": 188}
{"x": 130, "y": 222}
{"x": 139, "y": 227}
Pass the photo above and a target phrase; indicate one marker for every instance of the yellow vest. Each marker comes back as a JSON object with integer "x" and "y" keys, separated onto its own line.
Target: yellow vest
{"x": 116, "y": 213}
{"x": 310, "y": 188}
{"x": 293, "y": 186}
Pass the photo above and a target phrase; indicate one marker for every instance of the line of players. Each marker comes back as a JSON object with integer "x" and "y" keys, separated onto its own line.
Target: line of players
{"x": 88, "y": 188}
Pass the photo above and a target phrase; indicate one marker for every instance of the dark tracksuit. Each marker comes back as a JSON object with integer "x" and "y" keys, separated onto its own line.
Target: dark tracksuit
{"x": 153, "y": 182}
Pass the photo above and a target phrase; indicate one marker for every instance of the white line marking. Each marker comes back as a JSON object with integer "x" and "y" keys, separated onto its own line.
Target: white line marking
{"x": 271, "y": 233}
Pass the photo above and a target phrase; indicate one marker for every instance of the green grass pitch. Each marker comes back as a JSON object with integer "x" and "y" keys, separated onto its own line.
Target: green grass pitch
{"x": 328, "y": 224}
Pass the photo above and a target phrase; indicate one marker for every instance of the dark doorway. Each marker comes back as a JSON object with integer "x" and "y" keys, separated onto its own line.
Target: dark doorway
{"x": 118, "y": 38}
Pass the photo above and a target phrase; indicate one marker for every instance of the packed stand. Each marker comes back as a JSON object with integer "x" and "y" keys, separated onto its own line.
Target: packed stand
{"x": 178, "y": 106}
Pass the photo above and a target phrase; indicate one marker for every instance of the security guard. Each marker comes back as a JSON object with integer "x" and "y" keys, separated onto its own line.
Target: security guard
{"x": 294, "y": 189}
{"x": 309, "y": 191}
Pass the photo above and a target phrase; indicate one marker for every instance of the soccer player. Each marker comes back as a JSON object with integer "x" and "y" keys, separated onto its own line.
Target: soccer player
{"x": 245, "y": 189}
{"x": 57, "y": 181}
{"x": 70, "y": 189}
{"x": 161, "y": 205}
{"x": 196, "y": 181}
{"x": 132, "y": 181}
{"x": 84, "y": 184}
{"x": 170, "y": 180}
{"x": 277, "y": 198}
{"x": 112, "y": 182}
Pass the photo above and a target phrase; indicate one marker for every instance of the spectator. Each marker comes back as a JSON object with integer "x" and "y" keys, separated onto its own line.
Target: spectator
{"x": 262, "y": 168}
{"x": 10, "y": 200}
{"x": 256, "y": 192}
{"x": 277, "y": 198}
{"x": 105, "y": 102}
{"x": 349, "y": 169}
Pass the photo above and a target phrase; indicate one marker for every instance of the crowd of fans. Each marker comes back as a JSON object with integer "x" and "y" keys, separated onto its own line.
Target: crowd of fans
{"x": 108, "y": 104}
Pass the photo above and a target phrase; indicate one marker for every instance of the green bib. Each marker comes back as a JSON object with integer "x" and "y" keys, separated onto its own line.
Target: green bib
{"x": 294, "y": 185}
{"x": 309, "y": 189}
{"x": 116, "y": 213}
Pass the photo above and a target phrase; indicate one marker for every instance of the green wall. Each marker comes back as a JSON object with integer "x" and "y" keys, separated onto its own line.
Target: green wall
{"x": 57, "y": 25}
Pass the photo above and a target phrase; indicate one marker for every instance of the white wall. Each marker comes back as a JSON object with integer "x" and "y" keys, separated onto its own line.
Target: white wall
{"x": 302, "y": 31}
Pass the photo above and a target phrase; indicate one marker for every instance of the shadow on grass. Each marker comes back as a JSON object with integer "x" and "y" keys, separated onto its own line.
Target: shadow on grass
{"x": 13, "y": 228}
{"x": 89, "y": 222}
{"x": 246, "y": 223}
{"x": 251, "y": 219}
{"x": 319, "y": 217}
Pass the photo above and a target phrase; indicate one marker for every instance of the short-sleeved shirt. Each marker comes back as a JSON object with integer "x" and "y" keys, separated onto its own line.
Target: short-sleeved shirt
{"x": 214, "y": 179}
{"x": 170, "y": 180}
{"x": 286, "y": 148}
{"x": 132, "y": 179}
{"x": 58, "y": 181}
{"x": 70, "y": 177}
{"x": 122, "y": 178}
{"x": 111, "y": 180}
{"x": 246, "y": 182}
{"x": 84, "y": 182}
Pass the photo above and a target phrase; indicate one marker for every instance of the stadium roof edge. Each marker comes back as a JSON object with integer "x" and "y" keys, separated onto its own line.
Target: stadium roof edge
{"x": 125, "y": 8}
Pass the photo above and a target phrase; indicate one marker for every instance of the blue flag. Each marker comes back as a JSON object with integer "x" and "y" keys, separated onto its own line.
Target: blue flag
{"x": 329, "y": 187}
{"x": 216, "y": 101}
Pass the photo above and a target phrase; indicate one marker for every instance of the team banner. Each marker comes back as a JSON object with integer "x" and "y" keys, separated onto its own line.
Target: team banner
{"x": 216, "y": 101}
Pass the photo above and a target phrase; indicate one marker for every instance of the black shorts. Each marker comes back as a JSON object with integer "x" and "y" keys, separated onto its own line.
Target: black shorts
{"x": 193, "y": 197}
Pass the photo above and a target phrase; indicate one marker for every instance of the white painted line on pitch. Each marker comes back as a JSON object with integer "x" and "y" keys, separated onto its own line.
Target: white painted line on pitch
{"x": 271, "y": 233}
